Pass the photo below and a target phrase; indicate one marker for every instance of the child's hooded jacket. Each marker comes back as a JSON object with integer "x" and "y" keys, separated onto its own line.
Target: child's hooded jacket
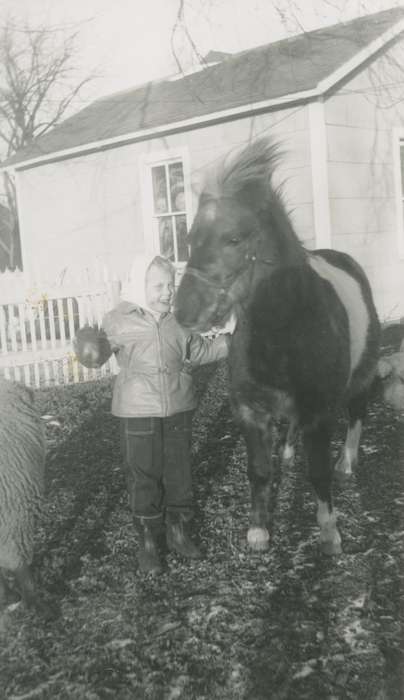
{"x": 154, "y": 377}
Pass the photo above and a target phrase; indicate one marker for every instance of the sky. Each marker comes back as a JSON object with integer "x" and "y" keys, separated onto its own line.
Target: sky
{"x": 128, "y": 42}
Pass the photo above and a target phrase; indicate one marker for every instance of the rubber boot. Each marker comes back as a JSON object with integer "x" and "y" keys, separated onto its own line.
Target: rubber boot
{"x": 179, "y": 539}
{"x": 148, "y": 555}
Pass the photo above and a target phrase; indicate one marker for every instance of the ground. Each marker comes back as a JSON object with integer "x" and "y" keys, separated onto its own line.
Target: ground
{"x": 288, "y": 623}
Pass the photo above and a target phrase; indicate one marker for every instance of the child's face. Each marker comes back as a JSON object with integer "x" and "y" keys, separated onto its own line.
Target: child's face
{"x": 159, "y": 288}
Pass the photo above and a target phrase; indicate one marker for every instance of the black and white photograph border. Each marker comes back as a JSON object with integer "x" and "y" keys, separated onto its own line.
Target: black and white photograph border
{"x": 201, "y": 349}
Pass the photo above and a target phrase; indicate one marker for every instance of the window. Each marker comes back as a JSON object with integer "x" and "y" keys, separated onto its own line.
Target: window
{"x": 398, "y": 152}
{"x": 166, "y": 197}
{"x": 167, "y": 203}
{"x": 169, "y": 210}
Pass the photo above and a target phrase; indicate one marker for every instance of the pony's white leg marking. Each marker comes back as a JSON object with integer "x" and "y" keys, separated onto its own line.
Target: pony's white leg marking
{"x": 258, "y": 538}
{"x": 330, "y": 539}
{"x": 349, "y": 455}
{"x": 288, "y": 453}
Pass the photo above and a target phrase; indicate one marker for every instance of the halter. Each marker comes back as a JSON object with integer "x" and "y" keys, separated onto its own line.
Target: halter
{"x": 224, "y": 289}
{"x": 194, "y": 272}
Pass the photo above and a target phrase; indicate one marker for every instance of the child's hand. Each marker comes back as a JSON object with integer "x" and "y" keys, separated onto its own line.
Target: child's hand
{"x": 229, "y": 326}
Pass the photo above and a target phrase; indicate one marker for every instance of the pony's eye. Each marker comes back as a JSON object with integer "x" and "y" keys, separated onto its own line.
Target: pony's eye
{"x": 234, "y": 241}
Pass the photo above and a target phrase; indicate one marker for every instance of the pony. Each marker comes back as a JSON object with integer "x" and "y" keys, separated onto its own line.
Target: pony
{"x": 306, "y": 341}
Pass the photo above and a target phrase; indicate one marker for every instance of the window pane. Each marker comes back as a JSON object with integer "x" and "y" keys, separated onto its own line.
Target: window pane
{"x": 159, "y": 190}
{"x": 176, "y": 177}
{"x": 181, "y": 230}
{"x": 166, "y": 237}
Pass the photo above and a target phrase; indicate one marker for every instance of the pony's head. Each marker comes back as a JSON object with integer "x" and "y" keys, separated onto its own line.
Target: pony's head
{"x": 237, "y": 213}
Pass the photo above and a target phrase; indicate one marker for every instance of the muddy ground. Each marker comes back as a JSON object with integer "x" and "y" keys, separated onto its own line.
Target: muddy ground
{"x": 289, "y": 623}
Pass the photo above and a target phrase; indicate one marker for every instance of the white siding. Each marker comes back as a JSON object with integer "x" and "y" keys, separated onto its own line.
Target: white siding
{"x": 89, "y": 207}
{"x": 77, "y": 210}
{"x": 360, "y": 119}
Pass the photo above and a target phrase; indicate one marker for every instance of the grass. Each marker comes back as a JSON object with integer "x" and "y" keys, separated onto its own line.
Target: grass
{"x": 289, "y": 623}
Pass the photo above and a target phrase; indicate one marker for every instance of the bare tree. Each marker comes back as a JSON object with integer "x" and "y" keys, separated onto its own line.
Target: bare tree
{"x": 38, "y": 83}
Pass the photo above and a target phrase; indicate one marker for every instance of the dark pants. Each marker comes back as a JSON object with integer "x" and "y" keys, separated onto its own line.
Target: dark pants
{"x": 157, "y": 461}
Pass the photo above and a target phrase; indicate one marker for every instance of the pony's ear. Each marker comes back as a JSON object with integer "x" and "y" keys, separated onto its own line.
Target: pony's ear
{"x": 247, "y": 177}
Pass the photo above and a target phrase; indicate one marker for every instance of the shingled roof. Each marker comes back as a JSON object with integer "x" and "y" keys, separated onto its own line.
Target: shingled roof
{"x": 280, "y": 72}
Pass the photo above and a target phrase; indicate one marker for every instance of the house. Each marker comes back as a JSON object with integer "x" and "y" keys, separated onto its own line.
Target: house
{"x": 6, "y": 238}
{"x": 122, "y": 175}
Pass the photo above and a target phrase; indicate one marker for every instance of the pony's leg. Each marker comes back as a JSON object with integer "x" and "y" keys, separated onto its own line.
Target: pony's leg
{"x": 288, "y": 451}
{"x": 259, "y": 450}
{"x": 349, "y": 453}
{"x": 317, "y": 445}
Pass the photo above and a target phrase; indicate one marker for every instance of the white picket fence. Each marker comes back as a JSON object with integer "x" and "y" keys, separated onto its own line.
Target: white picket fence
{"x": 38, "y": 324}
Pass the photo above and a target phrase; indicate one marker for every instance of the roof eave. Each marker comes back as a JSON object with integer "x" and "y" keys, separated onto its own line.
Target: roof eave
{"x": 163, "y": 129}
{"x": 322, "y": 88}
{"x": 361, "y": 57}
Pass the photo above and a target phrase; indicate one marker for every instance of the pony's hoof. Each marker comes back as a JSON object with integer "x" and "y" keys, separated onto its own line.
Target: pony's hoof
{"x": 258, "y": 538}
{"x": 343, "y": 466}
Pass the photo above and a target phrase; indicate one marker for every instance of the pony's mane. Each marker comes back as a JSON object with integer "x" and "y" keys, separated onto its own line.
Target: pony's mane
{"x": 247, "y": 178}
{"x": 251, "y": 167}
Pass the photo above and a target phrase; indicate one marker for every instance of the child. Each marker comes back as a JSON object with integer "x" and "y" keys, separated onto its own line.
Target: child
{"x": 153, "y": 397}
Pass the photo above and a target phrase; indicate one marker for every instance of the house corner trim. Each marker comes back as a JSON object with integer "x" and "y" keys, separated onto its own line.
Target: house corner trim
{"x": 21, "y": 224}
{"x": 319, "y": 174}
{"x": 397, "y": 140}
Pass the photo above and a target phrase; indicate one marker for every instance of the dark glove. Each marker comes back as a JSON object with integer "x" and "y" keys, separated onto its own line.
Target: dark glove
{"x": 92, "y": 346}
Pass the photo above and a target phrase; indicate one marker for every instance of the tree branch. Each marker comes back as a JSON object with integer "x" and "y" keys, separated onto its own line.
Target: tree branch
{"x": 37, "y": 87}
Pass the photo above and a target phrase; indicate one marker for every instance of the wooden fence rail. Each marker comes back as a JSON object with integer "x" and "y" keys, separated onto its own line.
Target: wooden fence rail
{"x": 37, "y": 329}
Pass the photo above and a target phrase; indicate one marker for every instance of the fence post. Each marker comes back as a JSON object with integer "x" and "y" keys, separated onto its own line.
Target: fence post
{"x": 38, "y": 323}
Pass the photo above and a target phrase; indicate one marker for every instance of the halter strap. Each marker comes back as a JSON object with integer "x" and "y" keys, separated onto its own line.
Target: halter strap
{"x": 199, "y": 275}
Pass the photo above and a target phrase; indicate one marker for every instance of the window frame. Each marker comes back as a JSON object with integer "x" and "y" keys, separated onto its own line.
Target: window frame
{"x": 398, "y": 144}
{"x": 152, "y": 160}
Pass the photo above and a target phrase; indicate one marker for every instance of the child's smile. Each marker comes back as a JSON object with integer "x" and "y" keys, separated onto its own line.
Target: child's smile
{"x": 159, "y": 289}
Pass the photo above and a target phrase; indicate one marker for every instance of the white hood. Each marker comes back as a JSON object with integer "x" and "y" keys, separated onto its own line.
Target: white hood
{"x": 133, "y": 290}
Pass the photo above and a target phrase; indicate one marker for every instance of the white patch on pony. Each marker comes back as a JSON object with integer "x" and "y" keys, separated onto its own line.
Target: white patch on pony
{"x": 282, "y": 407}
{"x": 330, "y": 539}
{"x": 250, "y": 417}
{"x": 350, "y": 295}
{"x": 258, "y": 538}
{"x": 349, "y": 456}
{"x": 288, "y": 452}
{"x": 246, "y": 414}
